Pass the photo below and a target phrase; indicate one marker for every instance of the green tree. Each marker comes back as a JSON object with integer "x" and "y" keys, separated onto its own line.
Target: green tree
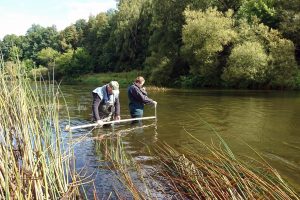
{"x": 224, "y": 5}
{"x": 47, "y": 57}
{"x": 14, "y": 53}
{"x": 205, "y": 36}
{"x": 28, "y": 64}
{"x": 81, "y": 63}
{"x": 81, "y": 26}
{"x": 73, "y": 63}
{"x": 289, "y": 22}
{"x": 38, "y": 38}
{"x": 131, "y": 33}
{"x": 166, "y": 38}
{"x": 247, "y": 65}
{"x": 11, "y": 46}
{"x": 69, "y": 38}
{"x": 283, "y": 67}
{"x": 161, "y": 72}
{"x": 96, "y": 38}
{"x": 63, "y": 63}
{"x": 262, "y": 9}
{"x": 280, "y": 52}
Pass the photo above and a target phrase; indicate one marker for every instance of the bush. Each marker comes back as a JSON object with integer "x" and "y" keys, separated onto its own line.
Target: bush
{"x": 73, "y": 63}
{"x": 205, "y": 36}
{"x": 247, "y": 65}
{"x": 161, "y": 74}
{"x": 297, "y": 84}
{"x": 283, "y": 72}
{"x": 263, "y": 9}
{"x": 62, "y": 63}
{"x": 28, "y": 64}
{"x": 41, "y": 72}
{"x": 81, "y": 63}
{"x": 191, "y": 81}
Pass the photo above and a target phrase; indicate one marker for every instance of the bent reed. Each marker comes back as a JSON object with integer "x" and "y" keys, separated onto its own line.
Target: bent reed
{"x": 219, "y": 175}
{"x": 34, "y": 164}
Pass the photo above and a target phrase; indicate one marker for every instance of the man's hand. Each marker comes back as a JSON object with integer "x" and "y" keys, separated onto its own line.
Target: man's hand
{"x": 100, "y": 122}
{"x": 117, "y": 117}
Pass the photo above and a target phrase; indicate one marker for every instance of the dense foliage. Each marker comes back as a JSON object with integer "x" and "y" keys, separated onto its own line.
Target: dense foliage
{"x": 184, "y": 43}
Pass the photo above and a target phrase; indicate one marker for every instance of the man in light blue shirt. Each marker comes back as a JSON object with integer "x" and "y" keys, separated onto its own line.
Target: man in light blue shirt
{"x": 106, "y": 104}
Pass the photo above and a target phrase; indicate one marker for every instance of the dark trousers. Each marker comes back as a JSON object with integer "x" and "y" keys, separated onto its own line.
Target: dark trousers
{"x": 136, "y": 113}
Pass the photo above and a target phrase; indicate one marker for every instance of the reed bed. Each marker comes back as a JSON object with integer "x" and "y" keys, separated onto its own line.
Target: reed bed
{"x": 215, "y": 173}
{"x": 33, "y": 161}
{"x": 219, "y": 175}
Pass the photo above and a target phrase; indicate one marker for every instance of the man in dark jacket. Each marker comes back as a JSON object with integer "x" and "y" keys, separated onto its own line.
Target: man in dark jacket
{"x": 138, "y": 98}
{"x": 106, "y": 102}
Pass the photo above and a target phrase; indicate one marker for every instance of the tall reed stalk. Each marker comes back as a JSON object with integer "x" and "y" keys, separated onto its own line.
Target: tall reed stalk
{"x": 33, "y": 161}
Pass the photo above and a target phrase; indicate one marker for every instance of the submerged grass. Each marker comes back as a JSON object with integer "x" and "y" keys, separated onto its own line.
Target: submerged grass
{"x": 33, "y": 161}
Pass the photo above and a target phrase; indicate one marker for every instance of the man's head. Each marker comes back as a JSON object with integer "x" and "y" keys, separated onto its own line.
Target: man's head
{"x": 140, "y": 80}
{"x": 112, "y": 87}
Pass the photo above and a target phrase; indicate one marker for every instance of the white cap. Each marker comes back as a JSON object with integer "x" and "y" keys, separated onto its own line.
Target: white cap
{"x": 114, "y": 85}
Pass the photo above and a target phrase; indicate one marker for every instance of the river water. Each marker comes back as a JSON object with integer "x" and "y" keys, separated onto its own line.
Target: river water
{"x": 267, "y": 121}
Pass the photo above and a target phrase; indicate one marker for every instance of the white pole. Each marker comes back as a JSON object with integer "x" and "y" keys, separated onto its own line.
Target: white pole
{"x": 155, "y": 115}
{"x": 69, "y": 128}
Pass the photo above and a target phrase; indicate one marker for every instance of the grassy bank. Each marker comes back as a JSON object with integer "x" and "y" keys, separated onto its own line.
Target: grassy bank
{"x": 34, "y": 164}
{"x": 124, "y": 78}
{"x": 127, "y": 78}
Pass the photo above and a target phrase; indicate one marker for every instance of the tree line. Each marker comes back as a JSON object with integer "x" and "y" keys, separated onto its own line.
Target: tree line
{"x": 183, "y": 43}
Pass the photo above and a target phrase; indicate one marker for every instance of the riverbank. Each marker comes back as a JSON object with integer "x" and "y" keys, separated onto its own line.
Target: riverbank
{"x": 126, "y": 78}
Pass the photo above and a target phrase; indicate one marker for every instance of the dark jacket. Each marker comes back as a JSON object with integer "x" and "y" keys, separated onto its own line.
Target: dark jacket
{"x": 137, "y": 97}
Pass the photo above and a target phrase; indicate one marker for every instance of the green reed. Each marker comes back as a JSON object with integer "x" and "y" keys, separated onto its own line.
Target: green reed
{"x": 33, "y": 161}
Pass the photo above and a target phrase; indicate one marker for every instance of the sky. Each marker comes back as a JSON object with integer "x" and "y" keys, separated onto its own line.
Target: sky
{"x": 17, "y": 16}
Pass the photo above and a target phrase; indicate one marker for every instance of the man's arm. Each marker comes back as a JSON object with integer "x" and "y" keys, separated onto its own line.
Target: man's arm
{"x": 140, "y": 96}
{"x": 96, "y": 103}
{"x": 117, "y": 109}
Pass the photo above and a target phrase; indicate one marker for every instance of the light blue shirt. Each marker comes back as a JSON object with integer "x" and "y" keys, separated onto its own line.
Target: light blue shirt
{"x": 104, "y": 96}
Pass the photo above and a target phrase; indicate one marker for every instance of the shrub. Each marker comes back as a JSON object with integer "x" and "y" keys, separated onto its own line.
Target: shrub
{"x": 247, "y": 65}
{"x": 161, "y": 74}
{"x": 41, "y": 72}
{"x": 205, "y": 36}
